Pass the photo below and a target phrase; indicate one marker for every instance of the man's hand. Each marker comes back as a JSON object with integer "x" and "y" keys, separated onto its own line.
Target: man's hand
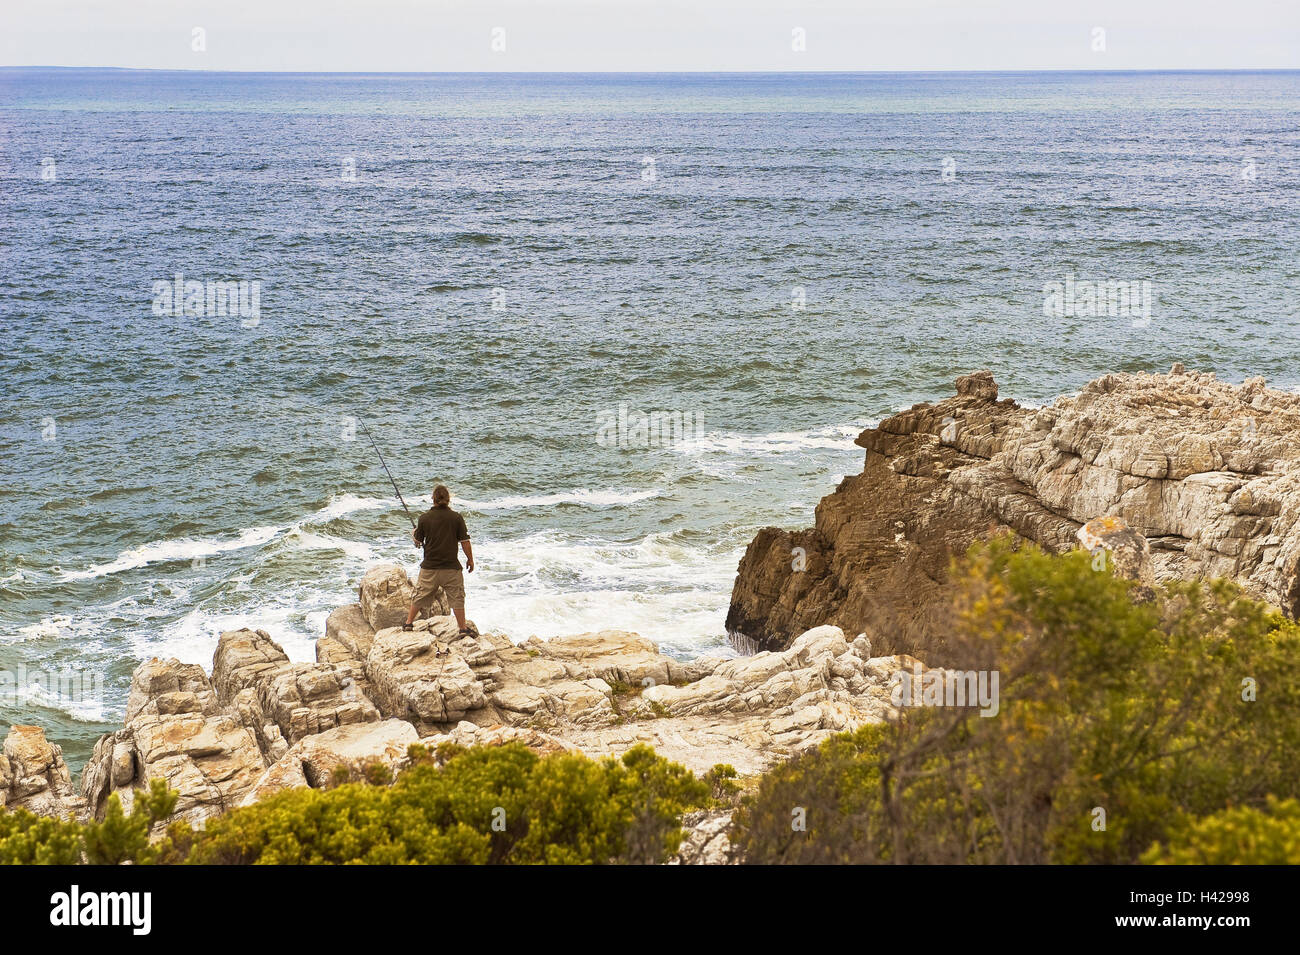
{"x": 469, "y": 566}
{"x": 415, "y": 536}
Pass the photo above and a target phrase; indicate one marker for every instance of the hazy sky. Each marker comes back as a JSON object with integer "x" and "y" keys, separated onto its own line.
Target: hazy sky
{"x": 425, "y": 35}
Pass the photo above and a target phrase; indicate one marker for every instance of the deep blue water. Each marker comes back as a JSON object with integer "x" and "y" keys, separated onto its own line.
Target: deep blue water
{"x": 506, "y": 268}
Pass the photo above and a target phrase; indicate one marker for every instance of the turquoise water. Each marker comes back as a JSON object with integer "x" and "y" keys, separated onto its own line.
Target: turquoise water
{"x": 485, "y": 269}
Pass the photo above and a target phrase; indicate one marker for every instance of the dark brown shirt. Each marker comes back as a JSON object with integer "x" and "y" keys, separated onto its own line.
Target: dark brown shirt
{"x": 440, "y": 529}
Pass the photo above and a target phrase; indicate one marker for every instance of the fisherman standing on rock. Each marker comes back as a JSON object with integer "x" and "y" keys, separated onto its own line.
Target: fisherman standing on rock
{"x": 438, "y": 531}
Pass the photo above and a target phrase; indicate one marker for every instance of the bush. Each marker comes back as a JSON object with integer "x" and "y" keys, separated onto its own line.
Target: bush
{"x": 1241, "y": 836}
{"x": 1117, "y": 718}
{"x": 28, "y": 839}
{"x": 495, "y": 804}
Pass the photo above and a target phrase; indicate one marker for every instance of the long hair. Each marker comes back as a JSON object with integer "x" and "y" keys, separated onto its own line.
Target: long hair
{"x": 441, "y": 496}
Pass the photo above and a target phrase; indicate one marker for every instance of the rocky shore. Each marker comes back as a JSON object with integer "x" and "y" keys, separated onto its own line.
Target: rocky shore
{"x": 1207, "y": 472}
{"x": 1174, "y": 475}
{"x": 261, "y": 724}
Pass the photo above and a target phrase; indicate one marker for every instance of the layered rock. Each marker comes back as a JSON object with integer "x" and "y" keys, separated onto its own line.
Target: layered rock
{"x": 176, "y": 731}
{"x": 707, "y": 840}
{"x": 33, "y": 775}
{"x": 344, "y": 753}
{"x": 1206, "y": 472}
{"x": 385, "y": 597}
{"x": 213, "y": 740}
{"x": 262, "y": 724}
{"x": 287, "y": 700}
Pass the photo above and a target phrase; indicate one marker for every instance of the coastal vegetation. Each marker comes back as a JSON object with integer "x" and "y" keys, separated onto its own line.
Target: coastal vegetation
{"x": 1134, "y": 724}
{"x": 486, "y": 805}
{"x": 1124, "y": 725}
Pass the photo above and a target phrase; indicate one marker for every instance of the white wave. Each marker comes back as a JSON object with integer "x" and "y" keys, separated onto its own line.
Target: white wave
{"x": 836, "y": 437}
{"x": 193, "y": 638}
{"x": 53, "y": 627}
{"x": 85, "y": 704}
{"x": 580, "y": 496}
{"x": 307, "y": 540}
{"x": 687, "y": 623}
{"x": 341, "y": 505}
{"x": 16, "y": 575}
{"x": 653, "y": 560}
{"x": 184, "y": 548}
{"x": 547, "y": 585}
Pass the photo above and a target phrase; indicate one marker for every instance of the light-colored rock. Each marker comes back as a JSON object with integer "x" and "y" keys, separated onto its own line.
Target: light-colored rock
{"x": 177, "y": 732}
{"x": 707, "y": 840}
{"x": 314, "y": 760}
{"x": 242, "y": 658}
{"x": 414, "y": 676}
{"x": 349, "y": 626}
{"x": 33, "y": 775}
{"x": 615, "y": 656}
{"x": 385, "y": 596}
{"x": 1208, "y": 473}
{"x": 185, "y": 685}
{"x": 268, "y": 724}
{"x": 469, "y": 735}
{"x": 1125, "y": 551}
{"x": 298, "y": 698}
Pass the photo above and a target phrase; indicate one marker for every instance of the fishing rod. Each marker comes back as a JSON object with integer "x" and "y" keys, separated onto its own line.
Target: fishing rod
{"x": 386, "y": 471}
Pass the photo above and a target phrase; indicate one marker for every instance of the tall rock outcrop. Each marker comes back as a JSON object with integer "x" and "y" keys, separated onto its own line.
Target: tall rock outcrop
{"x": 1207, "y": 472}
{"x": 33, "y": 775}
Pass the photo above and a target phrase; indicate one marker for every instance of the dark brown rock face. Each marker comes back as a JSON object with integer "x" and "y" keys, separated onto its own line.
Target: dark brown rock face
{"x": 1207, "y": 472}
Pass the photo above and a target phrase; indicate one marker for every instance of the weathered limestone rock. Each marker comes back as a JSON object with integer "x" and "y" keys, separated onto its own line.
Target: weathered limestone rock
{"x": 169, "y": 686}
{"x": 349, "y": 627}
{"x": 468, "y": 735}
{"x": 264, "y": 724}
{"x": 753, "y": 711}
{"x": 1126, "y": 551}
{"x": 356, "y": 747}
{"x": 707, "y": 840}
{"x": 1208, "y": 473}
{"x": 242, "y": 659}
{"x": 611, "y": 655}
{"x": 33, "y": 775}
{"x": 177, "y": 732}
{"x": 415, "y": 677}
{"x": 385, "y": 594}
{"x": 298, "y": 698}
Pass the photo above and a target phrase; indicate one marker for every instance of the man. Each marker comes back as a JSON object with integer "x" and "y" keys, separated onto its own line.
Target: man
{"x": 438, "y": 531}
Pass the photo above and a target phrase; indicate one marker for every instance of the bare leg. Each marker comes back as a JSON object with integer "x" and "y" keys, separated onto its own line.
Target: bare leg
{"x": 460, "y": 616}
{"x": 412, "y": 614}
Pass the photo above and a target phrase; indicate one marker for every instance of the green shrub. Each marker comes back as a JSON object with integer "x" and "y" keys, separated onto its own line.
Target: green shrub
{"x": 28, "y": 839}
{"x": 494, "y": 804}
{"x": 1241, "y": 836}
{"x": 721, "y": 780}
{"x": 1134, "y": 709}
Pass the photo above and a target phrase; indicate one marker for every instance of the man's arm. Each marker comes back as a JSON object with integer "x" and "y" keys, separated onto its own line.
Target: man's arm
{"x": 417, "y": 535}
{"x": 469, "y": 554}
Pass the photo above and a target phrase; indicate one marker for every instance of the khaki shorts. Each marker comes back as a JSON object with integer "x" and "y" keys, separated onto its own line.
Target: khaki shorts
{"x": 452, "y": 583}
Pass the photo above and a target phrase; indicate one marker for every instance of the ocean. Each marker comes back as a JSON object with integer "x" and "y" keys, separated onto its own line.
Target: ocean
{"x": 627, "y": 319}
